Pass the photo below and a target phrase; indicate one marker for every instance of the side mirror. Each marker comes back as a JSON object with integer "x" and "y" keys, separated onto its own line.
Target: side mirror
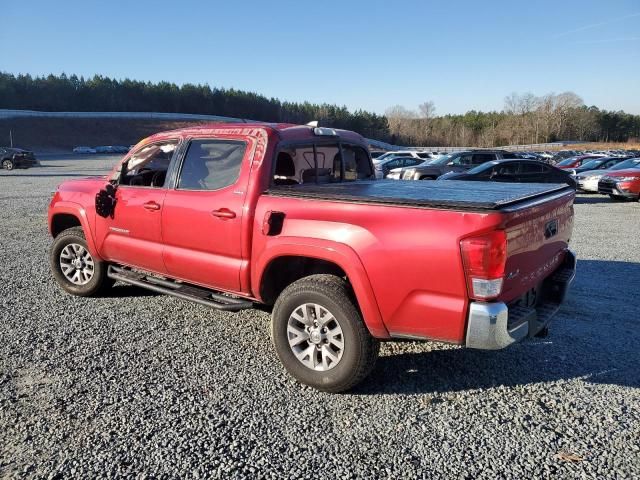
{"x": 106, "y": 201}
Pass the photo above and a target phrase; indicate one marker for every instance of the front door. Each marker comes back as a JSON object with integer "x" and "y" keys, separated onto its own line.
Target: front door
{"x": 132, "y": 236}
{"x": 202, "y": 216}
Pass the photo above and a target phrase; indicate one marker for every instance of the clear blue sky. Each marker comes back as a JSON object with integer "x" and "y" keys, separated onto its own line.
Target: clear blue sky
{"x": 370, "y": 54}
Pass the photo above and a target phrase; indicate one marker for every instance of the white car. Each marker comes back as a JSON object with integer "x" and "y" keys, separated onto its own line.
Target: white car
{"x": 588, "y": 181}
{"x": 84, "y": 150}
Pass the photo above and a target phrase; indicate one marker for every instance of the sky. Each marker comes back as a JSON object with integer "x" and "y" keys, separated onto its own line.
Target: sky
{"x": 371, "y": 55}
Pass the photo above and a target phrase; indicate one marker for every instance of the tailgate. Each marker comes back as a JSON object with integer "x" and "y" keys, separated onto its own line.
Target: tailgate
{"x": 538, "y": 235}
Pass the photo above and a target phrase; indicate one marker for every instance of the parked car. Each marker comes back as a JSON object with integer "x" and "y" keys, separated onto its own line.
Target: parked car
{"x": 384, "y": 165}
{"x": 107, "y": 149}
{"x": 621, "y": 184}
{"x": 405, "y": 153}
{"x": 11, "y": 157}
{"x": 292, "y": 217}
{"x": 588, "y": 180}
{"x": 601, "y": 163}
{"x": 515, "y": 171}
{"x": 454, "y": 162}
{"x": 376, "y": 153}
{"x": 84, "y": 150}
{"x": 575, "y": 162}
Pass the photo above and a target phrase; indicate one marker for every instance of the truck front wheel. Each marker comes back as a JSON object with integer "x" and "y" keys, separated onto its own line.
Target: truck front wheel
{"x": 319, "y": 334}
{"x": 73, "y": 266}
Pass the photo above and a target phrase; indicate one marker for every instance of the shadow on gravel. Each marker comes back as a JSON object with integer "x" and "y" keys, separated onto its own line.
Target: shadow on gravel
{"x": 594, "y": 199}
{"x": 127, "y": 291}
{"x": 595, "y": 338}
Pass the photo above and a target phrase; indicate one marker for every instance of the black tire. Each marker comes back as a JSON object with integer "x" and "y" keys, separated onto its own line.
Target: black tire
{"x": 360, "y": 348}
{"x": 98, "y": 283}
{"x": 427, "y": 178}
{"x": 7, "y": 164}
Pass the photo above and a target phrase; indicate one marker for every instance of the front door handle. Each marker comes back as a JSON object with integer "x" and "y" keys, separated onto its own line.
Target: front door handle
{"x": 152, "y": 206}
{"x": 223, "y": 213}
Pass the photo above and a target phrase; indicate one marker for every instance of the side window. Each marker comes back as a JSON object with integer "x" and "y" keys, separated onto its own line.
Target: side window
{"x": 410, "y": 162}
{"x": 211, "y": 164}
{"x": 506, "y": 169}
{"x": 356, "y": 163}
{"x": 480, "y": 158}
{"x": 395, "y": 163}
{"x": 531, "y": 168}
{"x": 148, "y": 166}
{"x": 463, "y": 160}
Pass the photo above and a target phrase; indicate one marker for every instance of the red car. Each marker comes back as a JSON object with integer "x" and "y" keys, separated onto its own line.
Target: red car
{"x": 575, "y": 162}
{"x": 292, "y": 217}
{"x": 621, "y": 184}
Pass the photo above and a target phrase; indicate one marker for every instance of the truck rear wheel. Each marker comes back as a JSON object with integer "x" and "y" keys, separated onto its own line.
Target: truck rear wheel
{"x": 319, "y": 334}
{"x": 73, "y": 266}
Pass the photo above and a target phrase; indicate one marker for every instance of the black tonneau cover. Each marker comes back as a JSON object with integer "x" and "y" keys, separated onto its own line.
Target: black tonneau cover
{"x": 451, "y": 194}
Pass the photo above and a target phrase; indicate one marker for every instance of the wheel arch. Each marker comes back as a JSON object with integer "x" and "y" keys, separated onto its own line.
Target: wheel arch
{"x": 284, "y": 263}
{"x": 67, "y": 215}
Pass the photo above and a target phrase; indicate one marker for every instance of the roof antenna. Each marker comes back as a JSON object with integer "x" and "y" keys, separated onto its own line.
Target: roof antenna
{"x": 313, "y": 124}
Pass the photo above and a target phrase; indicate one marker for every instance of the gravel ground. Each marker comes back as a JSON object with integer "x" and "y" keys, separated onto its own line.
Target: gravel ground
{"x": 148, "y": 385}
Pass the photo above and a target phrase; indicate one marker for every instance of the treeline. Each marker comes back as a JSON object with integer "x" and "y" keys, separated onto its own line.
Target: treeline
{"x": 103, "y": 94}
{"x": 525, "y": 119}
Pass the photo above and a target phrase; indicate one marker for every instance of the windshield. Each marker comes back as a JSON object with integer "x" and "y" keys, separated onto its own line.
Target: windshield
{"x": 592, "y": 164}
{"x": 631, "y": 163}
{"x": 482, "y": 168}
{"x": 566, "y": 162}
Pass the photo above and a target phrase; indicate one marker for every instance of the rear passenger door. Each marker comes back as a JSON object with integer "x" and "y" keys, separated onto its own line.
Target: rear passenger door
{"x": 203, "y": 212}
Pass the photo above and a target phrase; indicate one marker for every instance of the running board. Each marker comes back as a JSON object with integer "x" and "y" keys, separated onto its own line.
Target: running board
{"x": 180, "y": 290}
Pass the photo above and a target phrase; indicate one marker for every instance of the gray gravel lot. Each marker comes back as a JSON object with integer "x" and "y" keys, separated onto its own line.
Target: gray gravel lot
{"x": 145, "y": 384}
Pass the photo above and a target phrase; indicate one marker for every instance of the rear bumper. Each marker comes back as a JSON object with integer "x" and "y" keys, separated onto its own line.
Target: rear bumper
{"x": 494, "y": 325}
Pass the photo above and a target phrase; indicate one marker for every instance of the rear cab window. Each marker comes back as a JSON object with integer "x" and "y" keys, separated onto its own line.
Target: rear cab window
{"x": 323, "y": 162}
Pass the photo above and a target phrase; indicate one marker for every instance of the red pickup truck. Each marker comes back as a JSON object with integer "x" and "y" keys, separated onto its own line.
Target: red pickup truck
{"x": 292, "y": 217}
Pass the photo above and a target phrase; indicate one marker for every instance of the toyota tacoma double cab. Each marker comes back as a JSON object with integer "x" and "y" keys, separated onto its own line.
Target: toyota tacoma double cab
{"x": 291, "y": 217}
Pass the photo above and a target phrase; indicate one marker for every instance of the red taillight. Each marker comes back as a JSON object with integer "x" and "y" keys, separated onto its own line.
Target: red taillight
{"x": 484, "y": 258}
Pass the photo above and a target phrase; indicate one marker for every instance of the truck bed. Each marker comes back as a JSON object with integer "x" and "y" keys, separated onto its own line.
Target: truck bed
{"x": 454, "y": 194}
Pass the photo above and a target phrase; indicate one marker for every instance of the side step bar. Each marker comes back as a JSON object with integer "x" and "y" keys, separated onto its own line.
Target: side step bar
{"x": 179, "y": 290}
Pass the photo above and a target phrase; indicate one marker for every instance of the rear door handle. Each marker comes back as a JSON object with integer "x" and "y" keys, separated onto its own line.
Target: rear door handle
{"x": 223, "y": 213}
{"x": 152, "y": 206}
